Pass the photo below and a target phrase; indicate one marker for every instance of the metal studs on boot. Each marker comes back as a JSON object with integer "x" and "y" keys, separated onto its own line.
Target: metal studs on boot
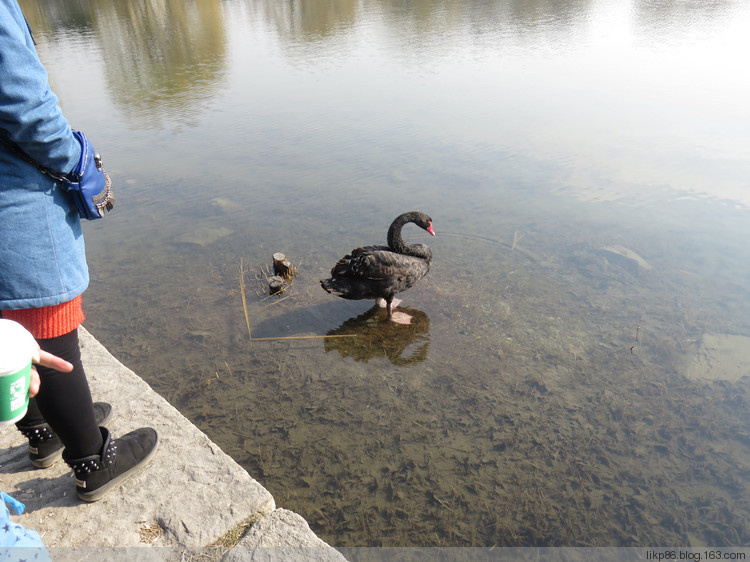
{"x": 45, "y": 447}
{"x": 99, "y": 474}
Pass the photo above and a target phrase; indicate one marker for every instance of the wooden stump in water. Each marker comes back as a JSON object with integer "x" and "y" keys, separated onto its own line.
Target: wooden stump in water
{"x": 283, "y": 267}
{"x": 275, "y": 284}
{"x": 278, "y": 259}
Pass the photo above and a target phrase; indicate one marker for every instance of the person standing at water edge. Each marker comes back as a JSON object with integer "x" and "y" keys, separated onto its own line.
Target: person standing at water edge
{"x": 44, "y": 166}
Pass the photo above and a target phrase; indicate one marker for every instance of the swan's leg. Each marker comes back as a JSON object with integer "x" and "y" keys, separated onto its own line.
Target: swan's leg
{"x": 388, "y": 304}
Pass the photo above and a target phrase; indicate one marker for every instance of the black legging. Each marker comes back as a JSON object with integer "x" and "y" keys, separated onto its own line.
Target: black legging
{"x": 64, "y": 400}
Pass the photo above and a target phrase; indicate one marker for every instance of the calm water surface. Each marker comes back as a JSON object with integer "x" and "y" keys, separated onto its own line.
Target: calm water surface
{"x": 576, "y": 371}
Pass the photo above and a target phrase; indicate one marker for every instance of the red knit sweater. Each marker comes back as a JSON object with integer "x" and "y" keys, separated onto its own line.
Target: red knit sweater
{"x": 49, "y": 321}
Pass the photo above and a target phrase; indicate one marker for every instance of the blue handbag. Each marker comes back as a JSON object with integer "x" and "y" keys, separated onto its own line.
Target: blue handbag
{"x": 87, "y": 182}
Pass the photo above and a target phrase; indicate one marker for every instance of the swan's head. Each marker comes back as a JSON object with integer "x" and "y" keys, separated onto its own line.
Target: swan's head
{"x": 423, "y": 221}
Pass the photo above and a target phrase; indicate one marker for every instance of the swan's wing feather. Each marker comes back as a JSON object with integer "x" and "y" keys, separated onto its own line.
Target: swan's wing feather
{"x": 373, "y": 262}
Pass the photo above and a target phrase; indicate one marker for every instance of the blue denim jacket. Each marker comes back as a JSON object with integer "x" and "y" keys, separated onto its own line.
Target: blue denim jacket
{"x": 42, "y": 254}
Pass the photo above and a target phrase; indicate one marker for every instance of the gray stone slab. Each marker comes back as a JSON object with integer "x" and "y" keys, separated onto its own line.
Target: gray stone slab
{"x": 282, "y": 535}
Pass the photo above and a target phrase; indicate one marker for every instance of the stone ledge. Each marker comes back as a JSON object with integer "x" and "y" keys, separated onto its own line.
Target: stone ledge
{"x": 190, "y": 495}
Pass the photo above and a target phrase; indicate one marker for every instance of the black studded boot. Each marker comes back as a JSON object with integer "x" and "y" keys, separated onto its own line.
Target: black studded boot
{"x": 45, "y": 447}
{"x": 99, "y": 474}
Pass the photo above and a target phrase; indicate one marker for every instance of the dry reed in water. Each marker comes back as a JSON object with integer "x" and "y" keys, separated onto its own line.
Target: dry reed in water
{"x": 244, "y": 299}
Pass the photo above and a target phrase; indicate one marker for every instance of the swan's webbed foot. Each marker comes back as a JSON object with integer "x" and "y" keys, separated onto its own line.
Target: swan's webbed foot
{"x": 395, "y": 316}
{"x": 400, "y": 317}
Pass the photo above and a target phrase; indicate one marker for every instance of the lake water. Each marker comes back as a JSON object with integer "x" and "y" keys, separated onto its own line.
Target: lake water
{"x": 576, "y": 372}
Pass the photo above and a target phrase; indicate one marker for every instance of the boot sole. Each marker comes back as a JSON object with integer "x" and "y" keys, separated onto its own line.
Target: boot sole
{"x": 99, "y": 493}
{"x": 50, "y": 460}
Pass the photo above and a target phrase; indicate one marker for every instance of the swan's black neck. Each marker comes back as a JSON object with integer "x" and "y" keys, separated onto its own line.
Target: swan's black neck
{"x": 396, "y": 242}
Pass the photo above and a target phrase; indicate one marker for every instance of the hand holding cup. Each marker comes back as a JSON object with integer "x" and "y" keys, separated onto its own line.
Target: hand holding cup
{"x": 19, "y": 380}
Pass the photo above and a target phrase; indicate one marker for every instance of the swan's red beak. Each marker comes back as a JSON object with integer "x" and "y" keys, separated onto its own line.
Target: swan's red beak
{"x": 429, "y": 229}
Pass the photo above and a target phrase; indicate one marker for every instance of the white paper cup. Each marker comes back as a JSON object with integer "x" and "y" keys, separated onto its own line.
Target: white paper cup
{"x": 16, "y": 349}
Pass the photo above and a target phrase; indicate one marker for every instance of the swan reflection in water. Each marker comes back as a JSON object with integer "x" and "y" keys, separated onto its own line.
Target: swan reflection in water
{"x": 375, "y": 335}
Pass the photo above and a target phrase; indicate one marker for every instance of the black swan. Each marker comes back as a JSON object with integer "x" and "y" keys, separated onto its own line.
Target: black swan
{"x": 379, "y": 272}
